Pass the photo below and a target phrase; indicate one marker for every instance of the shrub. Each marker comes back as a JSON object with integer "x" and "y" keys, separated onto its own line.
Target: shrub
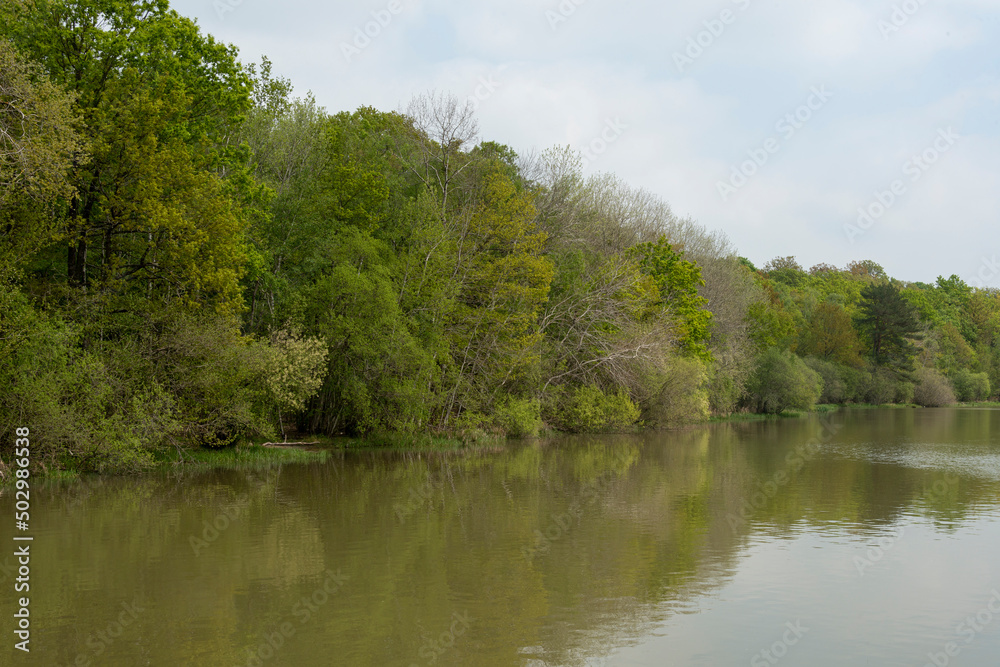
{"x": 834, "y": 387}
{"x": 933, "y": 389}
{"x": 971, "y": 386}
{"x": 519, "y": 417}
{"x": 781, "y": 382}
{"x": 879, "y": 387}
{"x": 217, "y": 376}
{"x": 588, "y": 409}
{"x": 904, "y": 392}
{"x": 724, "y": 388}
{"x": 856, "y": 382}
{"x": 294, "y": 369}
{"x": 87, "y": 409}
{"x": 677, "y": 394}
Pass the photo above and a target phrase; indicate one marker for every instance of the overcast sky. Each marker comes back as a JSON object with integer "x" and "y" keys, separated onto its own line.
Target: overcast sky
{"x": 822, "y": 108}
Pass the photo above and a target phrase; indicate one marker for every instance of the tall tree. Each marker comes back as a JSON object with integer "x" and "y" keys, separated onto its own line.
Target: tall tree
{"x": 888, "y": 323}
{"x": 39, "y": 140}
{"x": 830, "y": 335}
{"x": 159, "y": 101}
{"x": 678, "y": 281}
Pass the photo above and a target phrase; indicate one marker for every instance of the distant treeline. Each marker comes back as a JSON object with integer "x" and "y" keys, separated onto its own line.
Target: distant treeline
{"x": 192, "y": 256}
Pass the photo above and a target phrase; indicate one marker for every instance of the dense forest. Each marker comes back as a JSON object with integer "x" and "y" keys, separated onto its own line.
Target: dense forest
{"x": 191, "y": 256}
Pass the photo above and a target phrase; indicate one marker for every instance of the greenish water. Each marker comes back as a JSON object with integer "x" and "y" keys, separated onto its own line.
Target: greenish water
{"x": 853, "y": 538}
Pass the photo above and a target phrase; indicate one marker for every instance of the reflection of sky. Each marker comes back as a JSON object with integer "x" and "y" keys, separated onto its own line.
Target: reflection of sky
{"x": 907, "y": 604}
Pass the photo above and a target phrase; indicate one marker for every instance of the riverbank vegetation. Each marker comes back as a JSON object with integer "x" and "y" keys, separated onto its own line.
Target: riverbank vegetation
{"x": 192, "y": 257}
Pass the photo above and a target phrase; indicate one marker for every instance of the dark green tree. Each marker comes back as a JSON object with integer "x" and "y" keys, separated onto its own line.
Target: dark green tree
{"x": 888, "y": 323}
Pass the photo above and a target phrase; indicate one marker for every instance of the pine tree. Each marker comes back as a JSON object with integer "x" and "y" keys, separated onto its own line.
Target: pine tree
{"x": 888, "y": 323}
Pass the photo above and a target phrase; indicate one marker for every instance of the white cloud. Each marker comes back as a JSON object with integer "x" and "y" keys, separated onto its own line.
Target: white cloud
{"x": 686, "y": 130}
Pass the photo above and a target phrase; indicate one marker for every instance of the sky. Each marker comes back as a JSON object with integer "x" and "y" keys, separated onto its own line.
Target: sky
{"x": 831, "y": 131}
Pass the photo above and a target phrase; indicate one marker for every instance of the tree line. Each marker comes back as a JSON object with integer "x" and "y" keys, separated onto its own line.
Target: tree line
{"x": 193, "y": 256}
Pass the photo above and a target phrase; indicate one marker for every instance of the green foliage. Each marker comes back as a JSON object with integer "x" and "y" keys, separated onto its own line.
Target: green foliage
{"x": 785, "y": 270}
{"x": 156, "y": 97}
{"x": 295, "y": 369}
{"x": 379, "y": 373}
{"x": 887, "y": 322}
{"x": 192, "y": 256}
{"x": 505, "y": 280}
{"x": 677, "y": 281}
{"x": 39, "y": 140}
{"x": 905, "y": 391}
{"x": 878, "y": 387}
{"x": 830, "y": 335}
{"x": 519, "y": 417}
{"x": 782, "y": 381}
{"x": 769, "y": 326}
{"x": 724, "y": 392}
{"x": 587, "y": 409}
{"x": 835, "y": 388}
{"x": 220, "y": 380}
{"x": 678, "y": 393}
{"x": 954, "y": 352}
{"x": 85, "y": 409}
{"x": 971, "y": 387}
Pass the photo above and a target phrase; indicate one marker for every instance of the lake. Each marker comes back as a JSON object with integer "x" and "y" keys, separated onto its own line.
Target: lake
{"x": 861, "y": 537}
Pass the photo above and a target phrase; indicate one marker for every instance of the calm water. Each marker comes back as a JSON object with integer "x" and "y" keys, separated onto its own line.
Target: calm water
{"x": 868, "y": 537}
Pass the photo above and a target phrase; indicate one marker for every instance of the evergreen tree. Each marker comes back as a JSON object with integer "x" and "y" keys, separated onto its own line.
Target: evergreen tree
{"x": 888, "y": 322}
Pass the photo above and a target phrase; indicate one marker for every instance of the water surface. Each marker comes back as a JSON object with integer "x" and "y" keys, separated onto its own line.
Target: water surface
{"x": 867, "y": 537}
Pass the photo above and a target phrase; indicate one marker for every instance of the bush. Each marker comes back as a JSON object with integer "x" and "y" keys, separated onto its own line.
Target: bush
{"x": 834, "y": 388}
{"x": 933, "y": 389}
{"x": 218, "y": 377}
{"x": 856, "y": 382}
{"x": 588, "y": 409}
{"x": 781, "y": 382}
{"x": 519, "y": 417}
{"x": 971, "y": 386}
{"x": 677, "y": 394}
{"x": 110, "y": 402}
{"x": 904, "y": 392}
{"x": 86, "y": 409}
{"x": 879, "y": 387}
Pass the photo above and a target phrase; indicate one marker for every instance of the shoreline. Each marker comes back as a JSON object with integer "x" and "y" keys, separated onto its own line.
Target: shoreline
{"x": 317, "y": 449}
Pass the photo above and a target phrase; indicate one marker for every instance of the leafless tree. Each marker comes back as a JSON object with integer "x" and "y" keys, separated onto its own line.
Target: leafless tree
{"x": 446, "y": 127}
